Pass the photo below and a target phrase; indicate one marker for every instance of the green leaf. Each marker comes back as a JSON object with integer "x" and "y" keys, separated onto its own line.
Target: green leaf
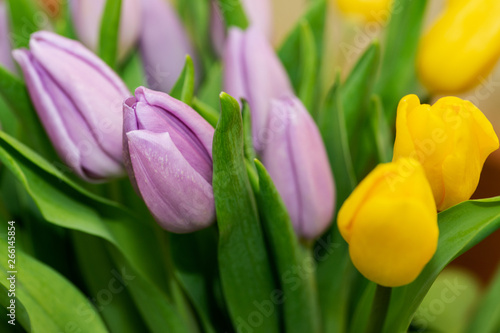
{"x": 295, "y": 54}
{"x": 397, "y": 73}
{"x": 381, "y": 132}
{"x": 460, "y": 227}
{"x": 103, "y": 282}
{"x": 110, "y": 30}
{"x": 486, "y": 318}
{"x": 233, "y": 13}
{"x": 246, "y": 276}
{"x": 196, "y": 15}
{"x": 301, "y": 310}
{"x": 132, "y": 72}
{"x": 333, "y": 130}
{"x": 206, "y": 111}
{"x": 363, "y": 310}
{"x": 308, "y": 66}
{"x": 63, "y": 203}
{"x": 250, "y": 153}
{"x": 183, "y": 89}
{"x": 212, "y": 86}
{"x": 357, "y": 89}
{"x": 195, "y": 257}
{"x": 23, "y": 16}
{"x": 45, "y": 295}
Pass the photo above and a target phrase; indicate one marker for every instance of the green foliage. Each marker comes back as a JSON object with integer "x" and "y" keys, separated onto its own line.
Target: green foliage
{"x": 110, "y": 31}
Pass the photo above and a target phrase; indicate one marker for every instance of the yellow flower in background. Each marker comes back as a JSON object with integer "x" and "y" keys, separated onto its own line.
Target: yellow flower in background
{"x": 462, "y": 47}
{"x": 390, "y": 223}
{"x": 451, "y": 139}
{"x": 369, "y": 10}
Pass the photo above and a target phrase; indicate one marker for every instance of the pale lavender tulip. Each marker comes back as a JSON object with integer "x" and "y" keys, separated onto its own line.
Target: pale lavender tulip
{"x": 258, "y": 14}
{"x": 298, "y": 164}
{"x": 5, "y": 47}
{"x": 78, "y": 99}
{"x": 164, "y": 44}
{"x": 253, "y": 71}
{"x": 168, "y": 155}
{"x": 87, "y": 17}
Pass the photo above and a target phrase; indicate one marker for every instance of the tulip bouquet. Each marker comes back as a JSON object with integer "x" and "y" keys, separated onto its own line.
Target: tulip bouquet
{"x": 163, "y": 168}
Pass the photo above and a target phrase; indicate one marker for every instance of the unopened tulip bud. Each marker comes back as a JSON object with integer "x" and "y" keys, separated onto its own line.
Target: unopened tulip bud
{"x": 451, "y": 139}
{"x": 390, "y": 223}
{"x": 164, "y": 44}
{"x": 454, "y": 57}
{"x": 253, "y": 71}
{"x": 168, "y": 155}
{"x": 296, "y": 160}
{"x": 5, "y": 47}
{"x": 87, "y": 18}
{"x": 78, "y": 99}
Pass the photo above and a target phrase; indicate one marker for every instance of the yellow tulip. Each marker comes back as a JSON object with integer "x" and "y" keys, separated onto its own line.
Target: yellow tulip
{"x": 462, "y": 47}
{"x": 390, "y": 223}
{"x": 451, "y": 139}
{"x": 369, "y": 10}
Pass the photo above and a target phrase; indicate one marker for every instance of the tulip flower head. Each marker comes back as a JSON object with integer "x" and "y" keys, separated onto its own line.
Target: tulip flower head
{"x": 87, "y": 17}
{"x": 390, "y": 223}
{"x": 254, "y": 72}
{"x": 461, "y": 48}
{"x": 164, "y": 44}
{"x": 78, "y": 99}
{"x": 296, "y": 160}
{"x": 451, "y": 139}
{"x": 5, "y": 47}
{"x": 368, "y": 10}
{"x": 168, "y": 155}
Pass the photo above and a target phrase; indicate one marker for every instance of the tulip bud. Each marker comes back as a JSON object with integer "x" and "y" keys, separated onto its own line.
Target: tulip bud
{"x": 168, "y": 155}
{"x": 78, "y": 99}
{"x": 453, "y": 57}
{"x": 5, "y": 47}
{"x": 451, "y": 139}
{"x": 87, "y": 19}
{"x": 258, "y": 14}
{"x": 368, "y": 10}
{"x": 254, "y": 72}
{"x": 390, "y": 223}
{"x": 164, "y": 44}
{"x": 296, "y": 160}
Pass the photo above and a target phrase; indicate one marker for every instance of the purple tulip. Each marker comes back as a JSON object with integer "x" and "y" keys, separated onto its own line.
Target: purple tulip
{"x": 78, "y": 99}
{"x": 5, "y": 47}
{"x": 164, "y": 45}
{"x": 258, "y": 14}
{"x": 87, "y": 17}
{"x": 254, "y": 72}
{"x": 297, "y": 162}
{"x": 168, "y": 155}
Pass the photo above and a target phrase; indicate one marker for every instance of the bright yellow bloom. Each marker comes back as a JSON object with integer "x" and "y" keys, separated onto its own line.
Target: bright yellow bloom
{"x": 369, "y": 10}
{"x": 451, "y": 139}
{"x": 390, "y": 223}
{"x": 462, "y": 47}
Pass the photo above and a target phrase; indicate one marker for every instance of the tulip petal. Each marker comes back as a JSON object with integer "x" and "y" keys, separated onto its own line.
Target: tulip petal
{"x": 297, "y": 162}
{"x": 91, "y": 84}
{"x": 164, "y": 44}
{"x": 179, "y": 197}
{"x": 5, "y": 47}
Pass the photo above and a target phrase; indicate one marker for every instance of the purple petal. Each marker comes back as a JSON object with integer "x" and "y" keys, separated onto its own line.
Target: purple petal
{"x": 297, "y": 162}
{"x": 254, "y": 72}
{"x": 178, "y": 196}
{"x": 88, "y": 82}
{"x": 164, "y": 45}
{"x": 67, "y": 130}
{"x": 5, "y": 47}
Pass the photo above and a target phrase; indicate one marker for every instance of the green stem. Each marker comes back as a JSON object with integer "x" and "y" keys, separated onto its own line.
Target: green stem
{"x": 379, "y": 309}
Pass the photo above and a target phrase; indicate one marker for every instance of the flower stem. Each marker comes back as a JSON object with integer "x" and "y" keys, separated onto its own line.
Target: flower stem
{"x": 379, "y": 309}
